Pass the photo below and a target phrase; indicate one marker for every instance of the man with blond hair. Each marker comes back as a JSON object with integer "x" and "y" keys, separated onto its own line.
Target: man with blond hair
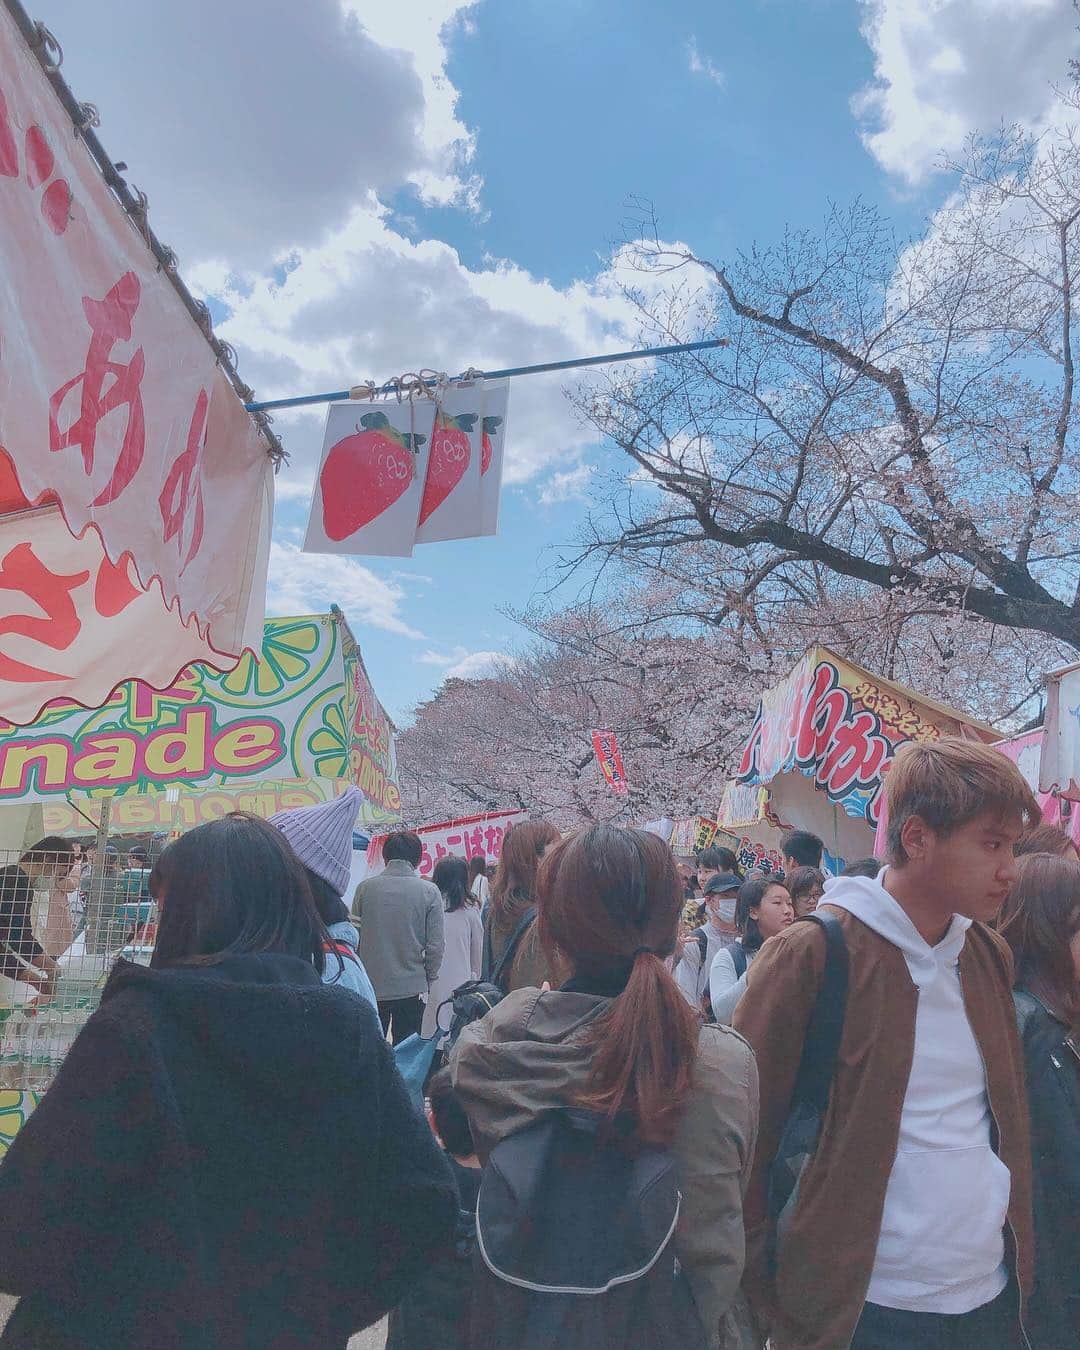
{"x": 910, "y": 1224}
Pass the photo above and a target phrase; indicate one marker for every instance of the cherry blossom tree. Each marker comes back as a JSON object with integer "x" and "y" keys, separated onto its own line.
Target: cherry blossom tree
{"x": 679, "y": 696}
{"x": 890, "y": 418}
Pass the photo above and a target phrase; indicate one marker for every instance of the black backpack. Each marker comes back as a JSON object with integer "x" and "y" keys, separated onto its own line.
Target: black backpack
{"x": 476, "y": 998}
{"x": 574, "y": 1243}
{"x": 799, "y": 1140}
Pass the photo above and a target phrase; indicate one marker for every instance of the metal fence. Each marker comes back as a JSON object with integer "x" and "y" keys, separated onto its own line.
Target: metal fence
{"x": 65, "y": 916}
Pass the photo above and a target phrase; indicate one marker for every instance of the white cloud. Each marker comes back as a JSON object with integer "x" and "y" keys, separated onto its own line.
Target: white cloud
{"x": 291, "y": 488}
{"x": 422, "y": 27}
{"x": 945, "y": 68}
{"x": 253, "y": 127}
{"x": 463, "y": 664}
{"x": 434, "y": 658}
{"x": 369, "y": 303}
{"x": 307, "y": 583}
{"x": 566, "y": 486}
{"x": 700, "y": 64}
{"x": 478, "y": 665}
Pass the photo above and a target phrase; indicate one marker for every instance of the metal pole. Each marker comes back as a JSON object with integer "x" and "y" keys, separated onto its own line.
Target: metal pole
{"x": 576, "y": 363}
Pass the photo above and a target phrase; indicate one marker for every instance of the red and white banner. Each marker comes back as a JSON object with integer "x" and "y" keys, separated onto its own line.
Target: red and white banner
{"x": 610, "y": 760}
{"x": 113, "y": 410}
{"x": 466, "y": 837}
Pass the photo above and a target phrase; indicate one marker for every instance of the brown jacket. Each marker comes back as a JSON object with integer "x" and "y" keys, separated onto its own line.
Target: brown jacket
{"x": 530, "y": 966}
{"x": 815, "y": 1298}
{"x": 531, "y": 1053}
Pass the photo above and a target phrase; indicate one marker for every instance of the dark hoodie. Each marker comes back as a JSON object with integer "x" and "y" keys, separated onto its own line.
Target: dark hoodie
{"x": 227, "y": 1158}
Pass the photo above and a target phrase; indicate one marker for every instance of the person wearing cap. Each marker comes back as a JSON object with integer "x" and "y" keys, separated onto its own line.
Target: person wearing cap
{"x": 321, "y": 837}
{"x": 704, "y": 944}
{"x": 137, "y": 874}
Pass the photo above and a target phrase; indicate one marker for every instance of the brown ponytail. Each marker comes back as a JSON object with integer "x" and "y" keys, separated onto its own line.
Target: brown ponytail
{"x": 610, "y": 899}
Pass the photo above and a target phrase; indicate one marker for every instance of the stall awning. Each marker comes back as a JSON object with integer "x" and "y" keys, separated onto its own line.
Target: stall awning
{"x": 135, "y": 491}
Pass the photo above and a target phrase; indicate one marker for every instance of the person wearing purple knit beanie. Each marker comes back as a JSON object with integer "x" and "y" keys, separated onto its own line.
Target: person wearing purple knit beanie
{"x": 321, "y": 837}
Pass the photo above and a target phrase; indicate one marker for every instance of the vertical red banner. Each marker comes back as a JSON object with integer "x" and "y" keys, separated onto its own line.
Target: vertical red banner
{"x": 610, "y": 760}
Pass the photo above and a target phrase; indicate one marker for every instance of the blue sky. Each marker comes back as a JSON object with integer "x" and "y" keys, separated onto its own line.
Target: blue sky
{"x": 364, "y": 187}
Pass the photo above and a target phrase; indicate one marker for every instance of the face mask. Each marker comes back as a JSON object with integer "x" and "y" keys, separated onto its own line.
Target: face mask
{"x": 725, "y": 911}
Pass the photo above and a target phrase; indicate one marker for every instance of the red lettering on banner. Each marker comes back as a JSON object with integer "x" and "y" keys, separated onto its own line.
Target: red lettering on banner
{"x": 40, "y": 164}
{"x": 113, "y": 588}
{"x": 856, "y": 754}
{"x": 182, "y": 495}
{"x": 22, "y": 571}
{"x": 844, "y": 746}
{"x": 110, "y": 322}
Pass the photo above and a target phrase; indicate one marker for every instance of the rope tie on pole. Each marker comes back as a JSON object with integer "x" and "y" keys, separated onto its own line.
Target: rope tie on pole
{"x": 54, "y": 53}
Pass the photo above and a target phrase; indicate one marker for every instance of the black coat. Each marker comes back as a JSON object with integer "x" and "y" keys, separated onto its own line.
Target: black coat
{"x": 227, "y": 1158}
{"x": 1052, "y": 1069}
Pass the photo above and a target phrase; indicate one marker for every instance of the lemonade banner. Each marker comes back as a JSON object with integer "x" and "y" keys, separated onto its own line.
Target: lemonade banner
{"x": 840, "y": 726}
{"x": 15, "y": 1108}
{"x": 182, "y": 809}
{"x": 305, "y": 711}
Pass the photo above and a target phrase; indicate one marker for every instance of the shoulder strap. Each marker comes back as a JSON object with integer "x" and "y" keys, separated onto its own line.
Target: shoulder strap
{"x": 822, "y": 1042}
{"x": 512, "y": 946}
{"x": 702, "y": 943}
{"x": 485, "y": 959}
{"x": 342, "y": 949}
{"x": 739, "y": 959}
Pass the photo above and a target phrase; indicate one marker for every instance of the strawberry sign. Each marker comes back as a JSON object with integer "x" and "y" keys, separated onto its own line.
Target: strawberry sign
{"x": 406, "y": 473}
{"x": 371, "y": 479}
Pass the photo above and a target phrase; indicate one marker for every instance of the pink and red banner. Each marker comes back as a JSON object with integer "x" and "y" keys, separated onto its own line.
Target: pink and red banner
{"x": 116, "y": 420}
{"x": 606, "y": 748}
{"x": 466, "y": 837}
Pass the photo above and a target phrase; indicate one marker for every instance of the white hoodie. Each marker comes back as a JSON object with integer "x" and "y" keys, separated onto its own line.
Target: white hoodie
{"x": 941, "y": 1248}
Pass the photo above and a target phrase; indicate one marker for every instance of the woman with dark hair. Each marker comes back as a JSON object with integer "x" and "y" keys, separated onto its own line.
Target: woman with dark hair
{"x": 620, "y": 1040}
{"x": 1041, "y": 923}
{"x": 478, "y": 882}
{"x": 763, "y": 909}
{"x": 513, "y": 907}
{"x": 1047, "y": 839}
{"x": 227, "y": 1157}
{"x": 464, "y": 933}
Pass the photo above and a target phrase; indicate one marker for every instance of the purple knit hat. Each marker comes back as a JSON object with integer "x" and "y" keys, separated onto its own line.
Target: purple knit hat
{"x": 321, "y": 836}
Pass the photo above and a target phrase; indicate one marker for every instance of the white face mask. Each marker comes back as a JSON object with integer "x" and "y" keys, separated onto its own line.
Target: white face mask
{"x": 724, "y": 910}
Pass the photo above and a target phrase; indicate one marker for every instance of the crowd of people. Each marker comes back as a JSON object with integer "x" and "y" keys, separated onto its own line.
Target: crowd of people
{"x": 672, "y": 1104}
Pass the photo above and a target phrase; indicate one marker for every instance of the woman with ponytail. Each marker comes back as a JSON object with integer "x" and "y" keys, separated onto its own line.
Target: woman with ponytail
{"x": 619, "y": 1039}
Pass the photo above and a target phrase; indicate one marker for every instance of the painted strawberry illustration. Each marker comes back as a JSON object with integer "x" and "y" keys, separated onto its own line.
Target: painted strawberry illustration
{"x": 450, "y": 455}
{"x": 364, "y": 474}
{"x": 490, "y": 427}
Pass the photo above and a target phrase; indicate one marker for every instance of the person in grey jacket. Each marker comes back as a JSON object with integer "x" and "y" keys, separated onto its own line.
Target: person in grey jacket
{"x": 401, "y": 934}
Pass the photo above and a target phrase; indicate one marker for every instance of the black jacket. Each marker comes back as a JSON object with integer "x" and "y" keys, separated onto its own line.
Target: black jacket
{"x": 227, "y": 1158}
{"x": 434, "y": 1315}
{"x": 1052, "y": 1068}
